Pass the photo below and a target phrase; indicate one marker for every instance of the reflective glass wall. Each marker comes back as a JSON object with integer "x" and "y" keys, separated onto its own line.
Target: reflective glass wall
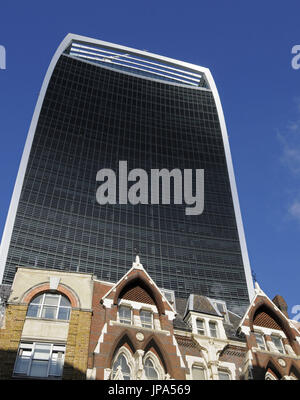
{"x": 92, "y": 117}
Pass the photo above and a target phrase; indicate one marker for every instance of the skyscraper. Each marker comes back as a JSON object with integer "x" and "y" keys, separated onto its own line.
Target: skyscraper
{"x": 100, "y": 104}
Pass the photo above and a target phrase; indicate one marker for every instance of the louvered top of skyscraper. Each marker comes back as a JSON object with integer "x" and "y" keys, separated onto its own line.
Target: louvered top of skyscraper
{"x": 138, "y": 62}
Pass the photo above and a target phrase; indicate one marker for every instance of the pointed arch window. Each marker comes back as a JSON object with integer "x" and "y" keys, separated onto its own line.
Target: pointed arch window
{"x": 150, "y": 370}
{"x": 121, "y": 369}
{"x": 153, "y": 369}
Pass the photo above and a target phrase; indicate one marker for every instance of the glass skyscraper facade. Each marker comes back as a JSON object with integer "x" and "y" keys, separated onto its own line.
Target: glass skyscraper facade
{"x": 94, "y": 111}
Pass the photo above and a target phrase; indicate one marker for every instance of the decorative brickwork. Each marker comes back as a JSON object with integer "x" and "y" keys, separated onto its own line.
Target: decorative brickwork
{"x": 265, "y": 320}
{"x": 137, "y": 293}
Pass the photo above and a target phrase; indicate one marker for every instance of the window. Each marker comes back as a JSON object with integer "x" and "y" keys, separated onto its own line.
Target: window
{"x": 200, "y": 327}
{"x": 48, "y": 305}
{"x": 222, "y": 309}
{"x": 213, "y": 329}
{"x": 278, "y": 343}
{"x": 146, "y": 319}
{"x": 125, "y": 315}
{"x": 121, "y": 365}
{"x": 40, "y": 360}
{"x": 223, "y": 375}
{"x": 198, "y": 373}
{"x": 260, "y": 341}
{"x": 150, "y": 371}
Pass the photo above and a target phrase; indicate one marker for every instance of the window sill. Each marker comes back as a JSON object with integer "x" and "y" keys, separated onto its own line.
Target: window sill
{"x": 47, "y": 319}
{"x": 139, "y": 327}
{"x": 277, "y": 354}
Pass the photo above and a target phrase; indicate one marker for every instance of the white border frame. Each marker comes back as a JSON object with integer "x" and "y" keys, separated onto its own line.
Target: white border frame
{"x": 6, "y": 238}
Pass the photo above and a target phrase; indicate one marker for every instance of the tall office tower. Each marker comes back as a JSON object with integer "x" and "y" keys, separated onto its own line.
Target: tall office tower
{"x": 100, "y": 104}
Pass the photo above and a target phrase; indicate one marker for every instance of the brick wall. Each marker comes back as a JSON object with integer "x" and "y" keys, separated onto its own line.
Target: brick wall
{"x": 76, "y": 357}
{"x": 10, "y": 336}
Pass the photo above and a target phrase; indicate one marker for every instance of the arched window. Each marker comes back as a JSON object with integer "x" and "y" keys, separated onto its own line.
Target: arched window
{"x": 153, "y": 369}
{"x": 121, "y": 369}
{"x": 51, "y": 306}
{"x": 150, "y": 370}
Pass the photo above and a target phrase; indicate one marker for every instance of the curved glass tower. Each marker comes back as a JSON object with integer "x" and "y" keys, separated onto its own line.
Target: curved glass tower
{"x": 102, "y": 103}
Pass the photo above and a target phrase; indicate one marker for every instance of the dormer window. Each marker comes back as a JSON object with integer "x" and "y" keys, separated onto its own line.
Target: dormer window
{"x": 146, "y": 319}
{"x": 260, "y": 341}
{"x": 220, "y": 306}
{"x": 125, "y": 315}
{"x": 278, "y": 343}
{"x": 213, "y": 329}
{"x": 200, "y": 327}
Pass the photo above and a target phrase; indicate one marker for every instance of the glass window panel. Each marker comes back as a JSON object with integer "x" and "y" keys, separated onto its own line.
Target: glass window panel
{"x": 200, "y": 327}
{"x": 64, "y": 302}
{"x": 146, "y": 318}
{"x": 122, "y": 362}
{"x": 125, "y": 314}
{"x": 33, "y": 310}
{"x": 56, "y": 364}
{"x": 39, "y": 368}
{"x": 51, "y": 300}
{"x": 150, "y": 371}
{"x": 278, "y": 343}
{"x": 213, "y": 329}
{"x": 42, "y": 351}
{"x": 64, "y": 313}
{"x": 37, "y": 300}
{"x": 224, "y": 376}
{"x": 198, "y": 373}
{"x": 260, "y": 341}
{"x": 49, "y": 312}
{"x": 23, "y": 360}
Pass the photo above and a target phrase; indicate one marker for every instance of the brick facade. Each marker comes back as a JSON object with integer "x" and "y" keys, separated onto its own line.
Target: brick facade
{"x": 174, "y": 344}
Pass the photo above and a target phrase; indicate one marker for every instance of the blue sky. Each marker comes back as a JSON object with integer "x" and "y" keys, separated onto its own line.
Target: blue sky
{"x": 246, "y": 45}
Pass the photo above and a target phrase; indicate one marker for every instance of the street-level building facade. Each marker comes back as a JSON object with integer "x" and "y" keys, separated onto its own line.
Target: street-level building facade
{"x": 68, "y": 325}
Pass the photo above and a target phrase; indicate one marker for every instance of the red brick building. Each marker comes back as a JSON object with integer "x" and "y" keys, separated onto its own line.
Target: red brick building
{"x": 66, "y": 325}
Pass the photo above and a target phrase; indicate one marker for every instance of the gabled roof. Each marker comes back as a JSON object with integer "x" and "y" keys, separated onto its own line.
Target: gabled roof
{"x": 260, "y": 293}
{"x": 136, "y": 265}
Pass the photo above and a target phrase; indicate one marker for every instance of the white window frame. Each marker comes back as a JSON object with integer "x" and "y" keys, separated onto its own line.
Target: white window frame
{"x": 53, "y": 348}
{"x": 201, "y": 329}
{"x": 224, "y": 371}
{"x": 150, "y": 324}
{"x": 127, "y": 321}
{"x": 198, "y": 366}
{"x": 280, "y": 339}
{"x": 42, "y": 305}
{"x": 224, "y": 313}
{"x": 215, "y": 329}
{"x": 156, "y": 364}
{"x": 130, "y": 362}
{"x": 261, "y": 335}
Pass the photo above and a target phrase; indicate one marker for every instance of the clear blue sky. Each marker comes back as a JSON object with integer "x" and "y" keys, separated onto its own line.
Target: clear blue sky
{"x": 247, "y": 46}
